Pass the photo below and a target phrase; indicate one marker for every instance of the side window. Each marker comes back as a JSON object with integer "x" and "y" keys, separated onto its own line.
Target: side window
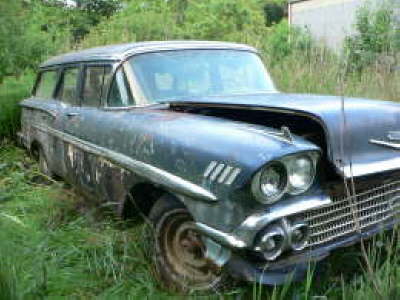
{"x": 46, "y": 85}
{"x": 120, "y": 94}
{"x": 96, "y": 78}
{"x": 68, "y": 88}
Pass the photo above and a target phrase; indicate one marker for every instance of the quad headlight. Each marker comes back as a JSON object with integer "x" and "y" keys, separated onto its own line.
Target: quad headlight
{"x": 293, "y": 174}
{"x": 270, "y": 183}
{"x": 301, "y": 172}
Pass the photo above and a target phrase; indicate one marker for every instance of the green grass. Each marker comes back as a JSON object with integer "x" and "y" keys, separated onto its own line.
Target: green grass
{"x": 13, "y": 90}
{"x": 56, "y": 244}
{"x": 64, "y": 246}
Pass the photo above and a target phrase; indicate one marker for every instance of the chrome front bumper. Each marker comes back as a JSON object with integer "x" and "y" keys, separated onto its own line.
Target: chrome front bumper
{"x": 243, "y": 237}
{"x": 336, "y": 221}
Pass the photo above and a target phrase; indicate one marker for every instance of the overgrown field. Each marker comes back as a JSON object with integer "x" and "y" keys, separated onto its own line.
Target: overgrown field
{"x": 56, "y": 244}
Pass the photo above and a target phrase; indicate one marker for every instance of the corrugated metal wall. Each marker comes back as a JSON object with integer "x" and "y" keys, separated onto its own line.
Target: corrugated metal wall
{"x": 328, "y": 20}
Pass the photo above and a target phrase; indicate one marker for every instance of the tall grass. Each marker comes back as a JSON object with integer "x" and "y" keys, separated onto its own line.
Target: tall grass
{"x": 8, "y": 279}
{"x": 320, "y": 72}
{"x": 12, "y": 90}
{"x": 54, "y": 244}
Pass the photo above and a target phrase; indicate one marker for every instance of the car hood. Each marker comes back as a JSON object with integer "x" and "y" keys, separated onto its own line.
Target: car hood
{"x": 363, "y": 135}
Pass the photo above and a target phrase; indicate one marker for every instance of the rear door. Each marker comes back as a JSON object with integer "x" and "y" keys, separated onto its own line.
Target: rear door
{"x": 41, "y": 115}
{"x": 68, "y": 94}
{"x": 82, "y": 91}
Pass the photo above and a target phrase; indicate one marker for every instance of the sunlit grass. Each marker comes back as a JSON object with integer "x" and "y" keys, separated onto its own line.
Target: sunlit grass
{"x": 55, "y": 244}
{"x": 64, "y": 246}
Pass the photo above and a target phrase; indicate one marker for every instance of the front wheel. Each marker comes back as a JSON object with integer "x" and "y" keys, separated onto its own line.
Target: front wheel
{"x": 178, "y": 250}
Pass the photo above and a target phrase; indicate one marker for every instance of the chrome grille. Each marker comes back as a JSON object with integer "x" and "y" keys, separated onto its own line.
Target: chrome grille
{"x": 347, "y": 215}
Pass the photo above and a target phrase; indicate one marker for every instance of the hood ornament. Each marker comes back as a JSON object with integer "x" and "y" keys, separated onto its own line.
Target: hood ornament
{"x": 393, "y": 140}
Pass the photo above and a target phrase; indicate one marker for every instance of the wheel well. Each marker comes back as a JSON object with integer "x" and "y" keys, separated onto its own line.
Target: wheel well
{"x": 34, "y": 149}
{"x": 140, "y": 200}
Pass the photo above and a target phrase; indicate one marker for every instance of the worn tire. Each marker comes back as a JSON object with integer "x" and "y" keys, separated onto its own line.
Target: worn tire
{"x": 168, "y": 220}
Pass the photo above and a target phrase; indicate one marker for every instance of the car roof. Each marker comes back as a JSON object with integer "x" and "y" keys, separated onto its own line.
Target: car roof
{"x": 122, "y": 51}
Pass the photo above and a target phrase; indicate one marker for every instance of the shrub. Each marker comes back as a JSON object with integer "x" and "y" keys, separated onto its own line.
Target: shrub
{"x": 275, "y": 11}
{"x": 282, "y": 40}
{"x": 377, "y": 37}
{"x": 28, "y": 34}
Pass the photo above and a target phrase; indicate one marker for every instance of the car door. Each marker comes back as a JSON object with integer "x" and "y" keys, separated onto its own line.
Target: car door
{"x": 68, "y": 94}
{"x": 99, "y": 128}
{"x": 41, "y": 116}
{"x": 81, "y": 118}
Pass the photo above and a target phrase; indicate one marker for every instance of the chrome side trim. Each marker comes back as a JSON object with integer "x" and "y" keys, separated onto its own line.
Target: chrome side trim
{"x": 49, "y": 111}
{"x": 210, "y": 168}
{"x": 221, "y": 173}
{"x": 152, "y": 173}
{"x": 363, "y": 169}
{"x": 224, "y": 174}
{"x": 386, "y": 144}
{"x": 233, "y": 176}
{"x": 216, "y": 172}
{"x": 223, "y": 238}
{"x": 254, "y": 223}
{"x": 394, "y": 136}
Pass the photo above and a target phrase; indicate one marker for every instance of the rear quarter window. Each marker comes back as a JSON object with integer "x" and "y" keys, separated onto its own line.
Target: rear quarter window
{"x": 68, "y": 91}
{"x": 96, "y": 78}
{"x": 46, "y": 85}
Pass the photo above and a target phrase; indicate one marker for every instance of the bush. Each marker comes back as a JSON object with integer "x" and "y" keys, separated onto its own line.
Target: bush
{"x": 377, "y": 37}
{"x": 275, "y": 11}
{"x": 282, "y": 41}
{"x": 28, "y": 34}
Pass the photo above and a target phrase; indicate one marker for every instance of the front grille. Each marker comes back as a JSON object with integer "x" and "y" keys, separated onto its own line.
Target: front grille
{"x": 349, "y": 215}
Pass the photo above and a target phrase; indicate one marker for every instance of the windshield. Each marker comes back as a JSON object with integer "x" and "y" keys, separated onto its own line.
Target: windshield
{"x": 183, "y": 74}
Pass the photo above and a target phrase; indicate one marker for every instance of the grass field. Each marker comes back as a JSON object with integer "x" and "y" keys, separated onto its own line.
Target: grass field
{"x": 55, "y": 244}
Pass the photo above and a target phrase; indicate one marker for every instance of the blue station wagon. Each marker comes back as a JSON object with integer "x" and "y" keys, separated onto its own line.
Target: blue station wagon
{"x": 236, "y": 178}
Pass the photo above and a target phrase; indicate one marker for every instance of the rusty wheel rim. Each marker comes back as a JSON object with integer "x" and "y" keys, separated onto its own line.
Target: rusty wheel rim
{"x": 185, "y": 252}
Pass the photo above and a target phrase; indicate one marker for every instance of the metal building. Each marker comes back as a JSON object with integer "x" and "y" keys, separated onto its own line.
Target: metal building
{"x": 329, "y": 21}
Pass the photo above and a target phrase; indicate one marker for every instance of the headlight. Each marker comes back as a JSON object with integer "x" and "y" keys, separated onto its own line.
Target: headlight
{"x": 270, "y": 183}
{"x": 301, "y": 173}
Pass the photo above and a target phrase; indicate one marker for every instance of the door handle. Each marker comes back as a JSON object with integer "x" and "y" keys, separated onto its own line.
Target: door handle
{"x": 73, "y": 114}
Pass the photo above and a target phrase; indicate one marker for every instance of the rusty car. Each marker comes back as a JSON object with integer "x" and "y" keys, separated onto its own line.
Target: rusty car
{"x": 238, "y": 179}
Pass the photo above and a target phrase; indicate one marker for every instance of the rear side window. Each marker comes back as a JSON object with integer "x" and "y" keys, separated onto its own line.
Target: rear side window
{"x": 68, "y": 91}
{"x": 120, "y": 94}
{"x": 46, "y": 85}
{"x": 96, "y": 78}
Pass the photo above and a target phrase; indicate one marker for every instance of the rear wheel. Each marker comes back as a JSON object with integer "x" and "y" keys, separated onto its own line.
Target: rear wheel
{"x": 178, "y": 250}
